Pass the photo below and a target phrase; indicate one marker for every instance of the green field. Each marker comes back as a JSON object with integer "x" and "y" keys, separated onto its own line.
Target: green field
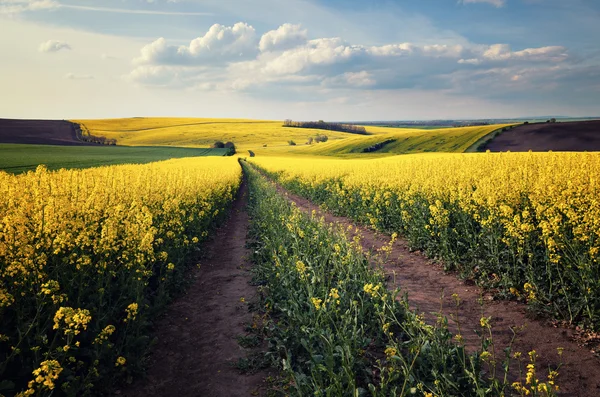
{"x": 17, "y": 158}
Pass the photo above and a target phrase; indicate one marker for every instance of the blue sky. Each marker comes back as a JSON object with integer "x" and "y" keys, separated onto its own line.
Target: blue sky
{"x": 300, "y": 59}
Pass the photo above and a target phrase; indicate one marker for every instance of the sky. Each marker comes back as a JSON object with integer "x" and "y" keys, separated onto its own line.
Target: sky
{"x": 339, "y": 60}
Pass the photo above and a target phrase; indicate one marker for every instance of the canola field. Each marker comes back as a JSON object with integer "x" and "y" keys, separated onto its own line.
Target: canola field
{"x": 525, "y": 224}
{"x": 86, "y": 259}
{"x": 339, "y": 331}
{"x": 271, "y": 138}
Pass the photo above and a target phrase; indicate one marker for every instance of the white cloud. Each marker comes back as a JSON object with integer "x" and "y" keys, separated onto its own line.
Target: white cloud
{"x": 54, "y": 46}
{"x": 496, "y": 3}
{"x": 219, "y": 44}
{"x": 285, "y": 37}
{"x": 135, "y": 12}
{"x": 503, "y": 53}
{"x": 229, "y": 59}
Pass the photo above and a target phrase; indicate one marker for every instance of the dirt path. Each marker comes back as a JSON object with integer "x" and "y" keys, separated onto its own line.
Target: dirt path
{"x": 426, "y": 283}
{"x": 197, "y": 345}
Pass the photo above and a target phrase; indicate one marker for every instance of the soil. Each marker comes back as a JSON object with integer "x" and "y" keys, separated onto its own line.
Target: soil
{"x": 540, "y": 137}
{"x": 430, "y": 291}
{"x": 41, "y": 132}
{"x": 197, "y": 349}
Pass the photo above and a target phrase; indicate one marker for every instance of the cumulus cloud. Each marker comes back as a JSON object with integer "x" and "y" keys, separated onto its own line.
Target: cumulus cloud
{"x": 285, "y": 37}
{"x": 54, "y": 46}
{"x": 496, "y": 3}
{"x": 219, "y": 44}
{"x": 236, "y": 58}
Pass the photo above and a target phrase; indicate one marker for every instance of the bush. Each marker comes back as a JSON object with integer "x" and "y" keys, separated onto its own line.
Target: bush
{"x": 218, "y": 145}
{"x": 291, "y": 143}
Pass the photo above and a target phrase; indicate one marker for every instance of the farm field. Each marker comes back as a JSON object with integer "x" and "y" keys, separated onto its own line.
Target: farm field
{"x": 17, "y": 158}
{"x": 328, "y": 233}
{"x": 565, "y": 136}
{"x": 41, "y": 132}
{"x": 270, "y": 137}
{"x": 88, "y": 256}
{"x": 522, "y": 224}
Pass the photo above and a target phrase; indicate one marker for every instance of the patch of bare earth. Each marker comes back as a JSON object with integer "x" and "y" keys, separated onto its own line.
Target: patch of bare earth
{"x": 197, "y": 349}
{"x": 430, "y": 291}
{"x": 40, "y": 132}
{"x": 576, "y": 136}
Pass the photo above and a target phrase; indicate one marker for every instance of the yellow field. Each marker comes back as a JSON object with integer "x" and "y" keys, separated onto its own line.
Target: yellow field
{"x": 186, "y": 132}
{"x": 87, "y": 255}
{"x": 526, "y": 223}
{"x": 271, "y": 138}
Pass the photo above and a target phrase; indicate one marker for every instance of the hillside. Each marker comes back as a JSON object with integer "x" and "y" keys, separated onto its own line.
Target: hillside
{"x": 41, "y": 132}
{"x": 540, "y": 137}
{"x": 271, "y": 138}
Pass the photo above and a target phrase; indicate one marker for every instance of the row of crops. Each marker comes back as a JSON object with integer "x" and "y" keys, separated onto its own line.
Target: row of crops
{"x": 87, "y": 257}
{"x": 336, "y": 330}
{"x": 525, "y": 224}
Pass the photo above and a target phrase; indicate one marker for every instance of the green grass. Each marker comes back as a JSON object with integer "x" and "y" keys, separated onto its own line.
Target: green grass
{"x": 17, "y": 158}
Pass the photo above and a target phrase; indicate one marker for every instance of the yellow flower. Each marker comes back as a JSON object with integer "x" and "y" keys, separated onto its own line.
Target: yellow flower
{"x": 301, "y": 269}
{"x": 390, "y": 352}
{"x": 132, "y": 311}
{"x": 71, "y": 321}
{"x": 371, "y": 289}
{"x": 120, "y": 361}
{"x": 484, "y": 322}
{"x": 334, "y": 293}
{"x": 318, "y": 303}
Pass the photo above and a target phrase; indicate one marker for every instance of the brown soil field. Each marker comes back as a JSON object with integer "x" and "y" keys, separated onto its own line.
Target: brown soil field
{"x": 540, "y": 137}
{"x": 41, "y": 132}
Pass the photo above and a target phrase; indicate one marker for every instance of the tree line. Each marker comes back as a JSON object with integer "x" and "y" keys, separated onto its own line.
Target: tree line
{"x": 322, "y": 125}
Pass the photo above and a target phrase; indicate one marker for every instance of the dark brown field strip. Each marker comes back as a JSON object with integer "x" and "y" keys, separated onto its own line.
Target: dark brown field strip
{"x": 429, "y": 289}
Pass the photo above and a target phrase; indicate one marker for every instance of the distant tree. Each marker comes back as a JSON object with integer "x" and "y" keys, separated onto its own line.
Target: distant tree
{"x": 321, "y": 138}
{"x": 291, "y": 143}
{"x": 553, "y": 120}
{"x": 218, "y": 145}
{"x": 527, "y": 122}
{"x": 310, "y": 140}
{"x": 231, "y": 147}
